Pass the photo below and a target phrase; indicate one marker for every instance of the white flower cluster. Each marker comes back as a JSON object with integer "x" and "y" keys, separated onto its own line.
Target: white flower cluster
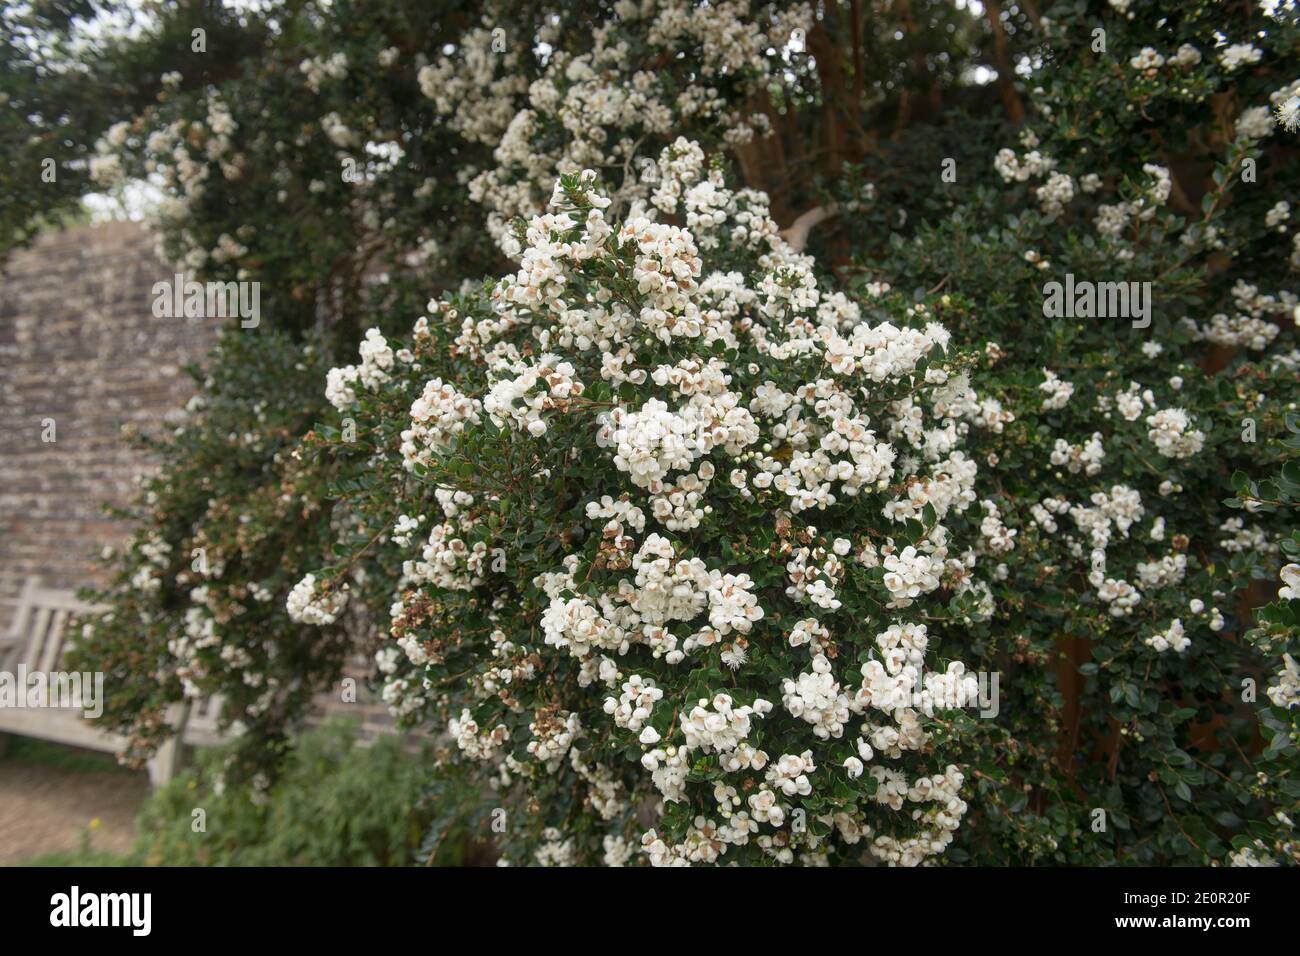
{"x": 308, "y": 606}
{"x": 1055, "y": 194}
{"x": 1150, "y": 61}
{"x": 1173, "y": 638}
{"x": 816, "y": 698}
{"x": 909, "y": 574}
{"x": 1255, "y": 122}
{"x": 1285, "y": 690}
{"x": 1169, "y": 570}
{"x": 447, "y": 559}
{"x": 439, "y": 414}
{"x": 789, "y": 773}
{"x": 544, "y": 385}
{"x": 898, "y": 685}
{"x": 1249, "y": 326}
{"x": 319, "y": 69}
{"x": 376, "y": 365}
{"x": 1113, "y": 219}
{"x": 475, "y": 743}
{"x": 633, "y": 707}
{"x": 1256, "y": 854}
{"x": 1086, "y": 458}
{"x": 1057, "y": 391}
{"x": 717, "y": 725}
{"x": 553, "y": 735}
{"x": 815, "y": 581}
{"x": 1243, "y": 538}
{"x": 998, "y": 538}
{"x": 1172, "y": 434}
{"x": 652, "y": 442}
{"x": 1119, "y": 594}
{"x": 1013, "y": 168}
{"x": 1237, "y": 55}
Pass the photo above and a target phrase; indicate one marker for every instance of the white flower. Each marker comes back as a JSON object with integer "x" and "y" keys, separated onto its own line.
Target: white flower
{"x": 1290, "y": 590}
{"x": 1147, "y": 59}
{"x": 1238, "y": 55}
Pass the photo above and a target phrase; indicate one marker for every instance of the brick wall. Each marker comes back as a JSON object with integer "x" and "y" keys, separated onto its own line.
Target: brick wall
{"x": 79, "y": 344}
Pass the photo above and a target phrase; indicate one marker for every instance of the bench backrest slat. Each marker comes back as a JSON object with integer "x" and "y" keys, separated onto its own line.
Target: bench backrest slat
{"x": 52, "y": 652}
{"x": 19, "y": 628}
{"x": 36, "y": 632}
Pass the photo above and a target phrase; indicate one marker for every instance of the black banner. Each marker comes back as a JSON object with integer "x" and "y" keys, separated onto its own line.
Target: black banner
{"x": 381, "y": 907}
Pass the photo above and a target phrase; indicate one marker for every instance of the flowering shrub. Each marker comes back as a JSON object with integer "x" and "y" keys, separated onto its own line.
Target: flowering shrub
{"x": 697, "y": 559}
{"x": 307, "y": 161}
{"x": 1120, "y": 571}
{"x": 267, "y": 179}
{"x": 1277, "y": 636}
{"x": 699, "y": 524}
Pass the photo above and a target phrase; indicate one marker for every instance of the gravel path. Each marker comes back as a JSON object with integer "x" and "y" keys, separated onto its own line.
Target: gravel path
{"x": 46, "y": 809}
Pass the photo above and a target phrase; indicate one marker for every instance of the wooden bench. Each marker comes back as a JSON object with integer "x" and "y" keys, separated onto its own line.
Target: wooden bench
{"x": 36, "y": 642}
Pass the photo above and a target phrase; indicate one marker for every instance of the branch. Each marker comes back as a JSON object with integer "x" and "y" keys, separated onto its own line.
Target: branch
{"x": 796, "y": 234}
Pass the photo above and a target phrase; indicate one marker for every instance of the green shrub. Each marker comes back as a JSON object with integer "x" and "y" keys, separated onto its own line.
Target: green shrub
{"x": 337, "y": 803}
